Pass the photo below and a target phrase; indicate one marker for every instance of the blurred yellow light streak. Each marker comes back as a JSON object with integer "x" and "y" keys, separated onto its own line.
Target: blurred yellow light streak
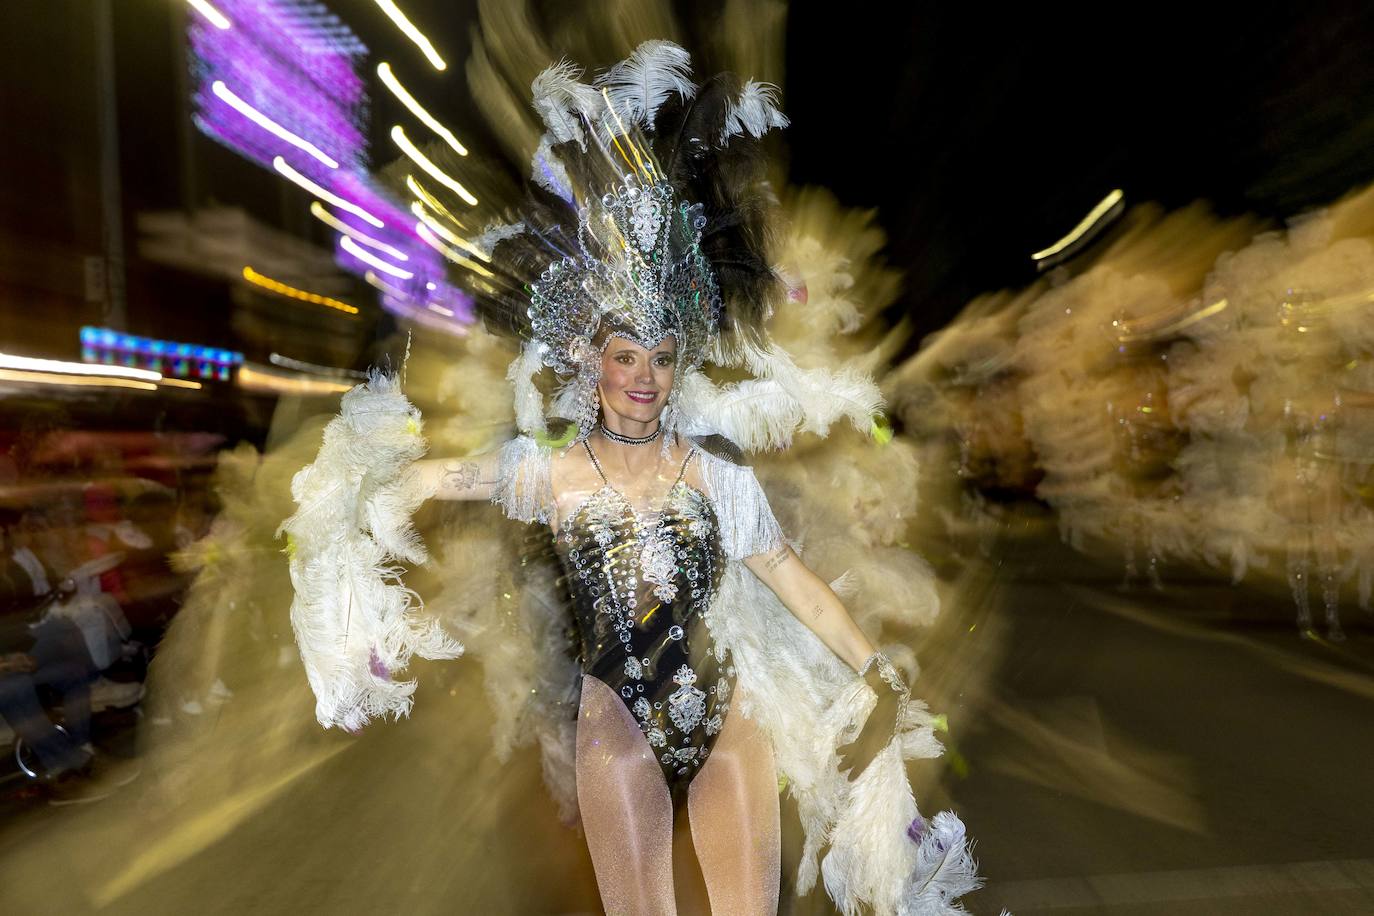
{"x": 411, "y": 32}
{"x": 180, "y": 383}
{"x": 248, "y": 111}
{"x": 368, "y": 257}
{"x": 276, "y": 286}
{"x": 333, "y": 222}
{"x": 33, "y": 364}
{"x": 639, "y": 161}
{"x": 55, "y": 378}
{"x": 1179, "y": 325}
{"x": 431, "y": 201}
{"x": 165, "y": 849}
{"x": 1111, "y": 200}
{"x": 432, "y": 241}
{"x": 280, "y": 383}
{"x": 452, "y": 238}
{"x": 398, "y": 136}
{"x": 384, "y": 286}
{"x": 300, "y": 180}
{"x": 391, "y": 82}
{"x": 217, "y": 19}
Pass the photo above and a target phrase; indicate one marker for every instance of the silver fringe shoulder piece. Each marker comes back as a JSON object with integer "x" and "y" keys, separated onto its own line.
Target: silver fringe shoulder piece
{"x": 356, "y": 624}
{"x": 747, "y": 525}
{"x": 523, "y": 488}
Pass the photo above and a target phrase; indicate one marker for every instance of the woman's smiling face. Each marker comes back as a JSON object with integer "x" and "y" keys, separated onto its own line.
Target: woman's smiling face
{"x": 634, "y": 381}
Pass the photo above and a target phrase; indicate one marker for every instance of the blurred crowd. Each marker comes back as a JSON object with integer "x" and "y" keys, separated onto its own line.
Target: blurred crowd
{"x": 1194, "y": 391}
{"x": 89, "y": 522}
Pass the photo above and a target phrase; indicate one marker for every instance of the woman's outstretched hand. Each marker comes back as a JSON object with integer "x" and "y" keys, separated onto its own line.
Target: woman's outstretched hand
{"x": 881, "y": 723}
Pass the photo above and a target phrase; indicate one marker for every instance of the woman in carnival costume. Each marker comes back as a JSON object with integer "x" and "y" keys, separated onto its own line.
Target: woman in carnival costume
{"x": 709, "y": 657}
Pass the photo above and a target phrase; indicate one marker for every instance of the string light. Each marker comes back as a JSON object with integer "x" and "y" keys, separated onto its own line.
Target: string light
{"x": 1097, "y": 212}
{"x": 433, "y": 241}
{"x": 276, "y": 286}
{"x": 333, "y": 222}
{"x": 420, "y": 191}
{"x": 452, "y": 238}
{"x": 261, "y": 378}
{"x": 217, "y": 19}
{"x": 384, "y": 287}
{"x": 411, "y": 32}
{"x": 367, "y": 257}
{"x": 248, "y": 111}
{"x": 52, "y": 378}
{"x": 391, "y": 82}
{"x": 300, "y": 180}
{"x": 398, "y": 136}
{"x": 32, "y": 364}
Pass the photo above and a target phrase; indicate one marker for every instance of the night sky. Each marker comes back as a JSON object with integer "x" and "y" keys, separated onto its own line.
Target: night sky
{"x": 979, "y": 133}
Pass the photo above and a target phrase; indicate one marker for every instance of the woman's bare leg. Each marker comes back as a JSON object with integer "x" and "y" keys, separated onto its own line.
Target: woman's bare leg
{"x": 626, "y": 809}
{"x": 733, "y": 806}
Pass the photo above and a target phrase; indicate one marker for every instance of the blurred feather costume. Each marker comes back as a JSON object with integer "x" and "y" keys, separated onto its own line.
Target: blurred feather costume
{"x": 649, "y": 217}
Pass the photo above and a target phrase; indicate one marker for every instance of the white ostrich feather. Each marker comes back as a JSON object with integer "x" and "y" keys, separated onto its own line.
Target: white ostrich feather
{"x": 755, "y": 112}
{"x": 755, "y": 414}
{"x": 529, "y": 402}
{"x": 637, "y": 86}
{"x": 563, "y": 101}
{"x": 766, "y": 411}
{"x": 356, "y": 625}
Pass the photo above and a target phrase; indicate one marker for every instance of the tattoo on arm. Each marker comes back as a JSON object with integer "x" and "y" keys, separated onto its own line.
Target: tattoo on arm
{"x": 777, "y": 559}
{"x": 817, "y": 610}
{"x": 459, "y": 476}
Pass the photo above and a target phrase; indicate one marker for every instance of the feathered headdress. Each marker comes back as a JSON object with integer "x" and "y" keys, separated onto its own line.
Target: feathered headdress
{"x": 650, "y": 217}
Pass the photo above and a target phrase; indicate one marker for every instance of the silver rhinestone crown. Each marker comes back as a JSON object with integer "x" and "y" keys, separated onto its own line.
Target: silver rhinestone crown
{"x": 639, "y": 273}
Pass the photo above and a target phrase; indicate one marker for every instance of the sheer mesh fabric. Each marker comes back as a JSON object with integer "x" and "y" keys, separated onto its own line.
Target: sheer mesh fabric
{"x": 733, "y": 806}
{"x": 627, "y": 814}
{"x": 626, "y": 811}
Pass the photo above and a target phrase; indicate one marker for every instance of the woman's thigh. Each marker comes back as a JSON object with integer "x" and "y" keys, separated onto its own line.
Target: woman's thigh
{"x": 733, "y": 805}
{"x": 626, "y": 810}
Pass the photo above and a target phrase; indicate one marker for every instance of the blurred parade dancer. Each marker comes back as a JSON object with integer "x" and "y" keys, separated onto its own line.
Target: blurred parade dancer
{"x": 644, "y": 251}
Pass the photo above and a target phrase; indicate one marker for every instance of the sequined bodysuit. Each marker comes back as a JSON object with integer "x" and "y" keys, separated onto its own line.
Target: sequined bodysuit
{"x": 640, "y": 587}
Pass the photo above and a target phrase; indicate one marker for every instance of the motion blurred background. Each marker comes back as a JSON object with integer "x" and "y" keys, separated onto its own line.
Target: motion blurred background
{"x": 1124, "y": 291}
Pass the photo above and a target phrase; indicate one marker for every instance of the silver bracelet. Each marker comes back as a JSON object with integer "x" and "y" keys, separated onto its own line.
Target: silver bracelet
{"x": 887, "y": 671}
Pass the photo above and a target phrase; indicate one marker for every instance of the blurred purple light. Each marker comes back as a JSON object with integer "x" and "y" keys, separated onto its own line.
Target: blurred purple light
{"x": 297, "y": 63}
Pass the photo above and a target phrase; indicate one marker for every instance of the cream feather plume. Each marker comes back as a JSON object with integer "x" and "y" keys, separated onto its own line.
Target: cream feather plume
{"x": 564, "y": 102}
{"x": 356, "y": 625}
{"x": 529, "y": 402}
{"x": 782, "y": 399}
{"x": 755, "y": 111}
{"x": 637, "y": 86}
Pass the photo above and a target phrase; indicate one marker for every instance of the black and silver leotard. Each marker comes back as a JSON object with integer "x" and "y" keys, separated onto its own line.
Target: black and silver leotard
{"x": 643, "y": 588}
{"x": 640, "y": 587}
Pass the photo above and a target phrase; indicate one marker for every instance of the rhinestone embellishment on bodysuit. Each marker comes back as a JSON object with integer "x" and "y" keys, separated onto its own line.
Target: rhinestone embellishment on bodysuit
{"x": 642, "y": 584}
{"x": 656, "y": 561}
{"x": 687, "y": 705}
